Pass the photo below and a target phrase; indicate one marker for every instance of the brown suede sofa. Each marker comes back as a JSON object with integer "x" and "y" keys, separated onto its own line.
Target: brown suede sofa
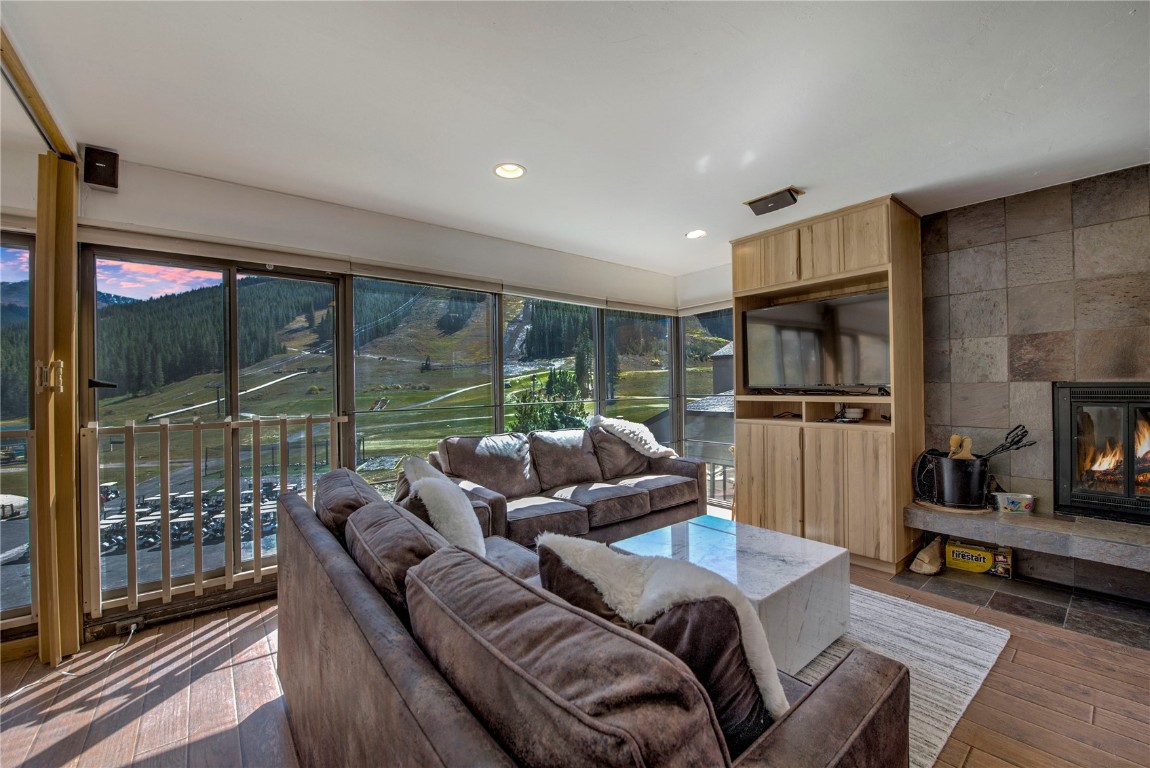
{"x": 577, "y": 482}
{"x": 398, "y": 649}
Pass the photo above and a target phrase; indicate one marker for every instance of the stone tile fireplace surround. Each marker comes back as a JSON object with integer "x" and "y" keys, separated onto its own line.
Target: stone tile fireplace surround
{"x": 1019, "y": 292}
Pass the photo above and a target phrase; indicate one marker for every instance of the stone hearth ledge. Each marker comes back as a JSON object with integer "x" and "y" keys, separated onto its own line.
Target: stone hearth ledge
{"x": 1126, "y": 545}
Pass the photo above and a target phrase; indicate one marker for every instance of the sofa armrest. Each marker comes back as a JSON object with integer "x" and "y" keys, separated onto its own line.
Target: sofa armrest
{"x": 858, "y": 715}
{"x": 496, "y": 502}
{"x": 679, "y": 465}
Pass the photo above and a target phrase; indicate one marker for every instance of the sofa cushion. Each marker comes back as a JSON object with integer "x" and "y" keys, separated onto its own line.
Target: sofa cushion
{"x": 499, "y": 462}
{"x": 563, "y": 457}
{"x": 704, "y": 633}
{"x": 532, "y": 515}
{"x": 605, "y": 503}
{"x": 665, "y": 491}
{"x": 514, "y": 558}
{"x": 338, "y": 494}
{"x": 616, "y": 458}
{"x": 552, "y": 684}
{"x": 386, "y": 540}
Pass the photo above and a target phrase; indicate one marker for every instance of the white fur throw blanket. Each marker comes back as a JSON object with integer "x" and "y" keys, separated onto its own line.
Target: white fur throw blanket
{"x": 639, "y": 588}
{"x": 636, "y": 435}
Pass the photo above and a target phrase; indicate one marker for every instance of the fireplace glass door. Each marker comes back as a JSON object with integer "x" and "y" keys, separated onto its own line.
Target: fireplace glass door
{"x": 1102, "y": 450}
{"x": 1099, "y": 465}
{"x": 1142, "y": 452}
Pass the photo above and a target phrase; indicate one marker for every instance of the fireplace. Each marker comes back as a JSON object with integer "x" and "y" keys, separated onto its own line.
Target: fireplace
{"x": 1102, "y": 450}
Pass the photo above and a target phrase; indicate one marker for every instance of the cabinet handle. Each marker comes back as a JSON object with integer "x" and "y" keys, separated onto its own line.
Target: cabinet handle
{"x": 795, "y": 269}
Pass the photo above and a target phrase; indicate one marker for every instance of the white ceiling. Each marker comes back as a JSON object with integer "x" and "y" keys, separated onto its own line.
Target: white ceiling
{"x": 637, "y": 121}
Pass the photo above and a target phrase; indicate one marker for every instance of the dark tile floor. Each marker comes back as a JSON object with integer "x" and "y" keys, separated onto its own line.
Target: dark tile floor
{"x": 1123, "y": 621}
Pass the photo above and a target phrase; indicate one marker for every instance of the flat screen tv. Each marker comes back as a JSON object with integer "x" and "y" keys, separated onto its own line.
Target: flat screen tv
{"x": 836, "y": 343}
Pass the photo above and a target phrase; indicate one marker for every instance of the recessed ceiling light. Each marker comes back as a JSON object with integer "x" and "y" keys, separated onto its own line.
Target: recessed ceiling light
{"x": 509, "y": 170}
{"x": 695, "y": 234}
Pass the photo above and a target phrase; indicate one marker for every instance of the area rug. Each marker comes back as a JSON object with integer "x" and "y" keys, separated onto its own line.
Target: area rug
{"x": 948, "y": 657}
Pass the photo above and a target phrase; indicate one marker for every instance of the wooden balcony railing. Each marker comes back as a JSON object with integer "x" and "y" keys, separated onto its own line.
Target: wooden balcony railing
{"x": 193, "y": 492}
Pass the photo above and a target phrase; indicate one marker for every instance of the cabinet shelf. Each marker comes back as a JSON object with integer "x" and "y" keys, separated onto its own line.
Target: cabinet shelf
{"x": 814, "y": 398}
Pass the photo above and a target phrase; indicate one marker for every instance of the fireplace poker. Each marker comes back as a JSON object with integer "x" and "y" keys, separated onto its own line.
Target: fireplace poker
{"x": 1012, "y": 442}
{"x": 1009, "y": 447}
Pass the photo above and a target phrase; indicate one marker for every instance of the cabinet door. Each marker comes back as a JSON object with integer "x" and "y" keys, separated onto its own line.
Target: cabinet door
{"x": 769, "y": 477}
{"x": 820, "y": 249}
{"x": 781, "y": 254}
{"x": 866, "y": 241}
{"x": 824, "y": 485}
{"x": 748, "y": 270}
{"x": 870, "y": 526}
{"x": 750, "y": 475}
{"x": 784, "y": 480}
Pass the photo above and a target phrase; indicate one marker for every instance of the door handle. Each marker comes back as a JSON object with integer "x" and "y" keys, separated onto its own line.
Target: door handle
{"x": 97, "y": 384}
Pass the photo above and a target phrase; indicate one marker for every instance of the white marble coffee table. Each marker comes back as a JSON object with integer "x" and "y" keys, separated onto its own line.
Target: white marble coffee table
{"x": 800, "y": 588}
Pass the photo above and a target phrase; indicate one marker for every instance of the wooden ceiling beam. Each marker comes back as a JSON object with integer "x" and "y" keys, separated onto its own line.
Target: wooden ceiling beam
{"x": 27, "y": 92}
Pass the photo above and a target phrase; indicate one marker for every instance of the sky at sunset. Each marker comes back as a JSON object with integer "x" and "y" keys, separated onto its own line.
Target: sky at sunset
{"x": 147, "y": 281}
{"x": 123, "y": 278}
{"x": 13, "y": 265}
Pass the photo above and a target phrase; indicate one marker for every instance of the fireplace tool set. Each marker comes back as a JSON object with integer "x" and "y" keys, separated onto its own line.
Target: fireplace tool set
{"x": 958, "y": 478}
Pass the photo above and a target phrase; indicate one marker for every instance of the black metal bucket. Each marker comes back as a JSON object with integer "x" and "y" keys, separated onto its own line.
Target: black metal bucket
{"x": 960, "y": 482}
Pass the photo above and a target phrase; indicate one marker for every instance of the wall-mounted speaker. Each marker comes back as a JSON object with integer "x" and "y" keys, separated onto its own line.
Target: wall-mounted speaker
{"x": 101, "y": 168}
{"x": 774, "y": 201}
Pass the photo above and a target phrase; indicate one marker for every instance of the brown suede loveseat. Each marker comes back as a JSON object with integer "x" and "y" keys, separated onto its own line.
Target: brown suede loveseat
{"x": 397, "y": 648}
{"x": 577, "y": 482}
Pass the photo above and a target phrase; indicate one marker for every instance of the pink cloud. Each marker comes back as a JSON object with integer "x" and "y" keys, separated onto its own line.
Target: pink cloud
{"x": 145, "y": 281}
{"x": 13, "y": 265}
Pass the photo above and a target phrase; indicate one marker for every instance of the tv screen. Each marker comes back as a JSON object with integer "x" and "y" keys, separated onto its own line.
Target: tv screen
{"x": 828, "y": 343}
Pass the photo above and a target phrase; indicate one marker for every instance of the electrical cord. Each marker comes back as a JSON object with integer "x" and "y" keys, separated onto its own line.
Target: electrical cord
{"x": 65, "y": 673}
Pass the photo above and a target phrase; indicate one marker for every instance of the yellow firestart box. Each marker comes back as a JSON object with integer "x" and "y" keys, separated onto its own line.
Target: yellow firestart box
{"x": 979, "y": 558}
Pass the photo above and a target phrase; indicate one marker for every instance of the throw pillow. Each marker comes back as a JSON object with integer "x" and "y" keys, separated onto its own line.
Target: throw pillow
{"x": 412, "y": 469}
{"x": 638, "y": 436}
{"x": 692, "y": 612}
{"x": 338, "y": 494}
{"x": 554, "y": 686}
{"x": 386, "y": 541}
{"x": 415, "y": 468}
{"x": 450, "y": 512}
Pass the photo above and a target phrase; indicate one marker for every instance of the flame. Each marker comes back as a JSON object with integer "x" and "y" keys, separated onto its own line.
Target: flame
{"x": 1142, "y": 439}
{"x": 1109, "y": 458}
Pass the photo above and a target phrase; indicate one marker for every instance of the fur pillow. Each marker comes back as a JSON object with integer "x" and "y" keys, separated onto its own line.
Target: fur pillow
{"x": 451, "y": 512}
{"x": 638, "y": 436}
{"x": 640, "y": 588}
{"x": 415, "y": 468}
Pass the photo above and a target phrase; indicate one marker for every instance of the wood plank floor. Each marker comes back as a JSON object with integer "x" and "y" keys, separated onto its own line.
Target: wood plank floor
{"x": 1055, "y": 698}
{"x": 205, "y": 693}
{"x": 200, "y": 692}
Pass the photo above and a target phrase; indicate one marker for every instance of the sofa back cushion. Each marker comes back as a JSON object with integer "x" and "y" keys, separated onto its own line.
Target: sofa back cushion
{"x": 499, "y": 462}
{"x": 385, "y": 541}
{"x": 551, "y": 682}
{"x": 564, "y": 457}
{"x": 338, "y": 494}
{"x": 616, "y": 458}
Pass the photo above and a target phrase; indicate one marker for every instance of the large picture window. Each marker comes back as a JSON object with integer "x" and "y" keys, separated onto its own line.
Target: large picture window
{"x": 637, "y": 370}
{"x": 423, "y": 370}
{"x": 548, "y": 364}
{"x": 15, "y": 425}
{"x": 709, "y": 412}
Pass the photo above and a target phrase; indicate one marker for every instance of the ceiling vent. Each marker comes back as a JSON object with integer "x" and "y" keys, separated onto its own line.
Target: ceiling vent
{"x": 774, "y": 201}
